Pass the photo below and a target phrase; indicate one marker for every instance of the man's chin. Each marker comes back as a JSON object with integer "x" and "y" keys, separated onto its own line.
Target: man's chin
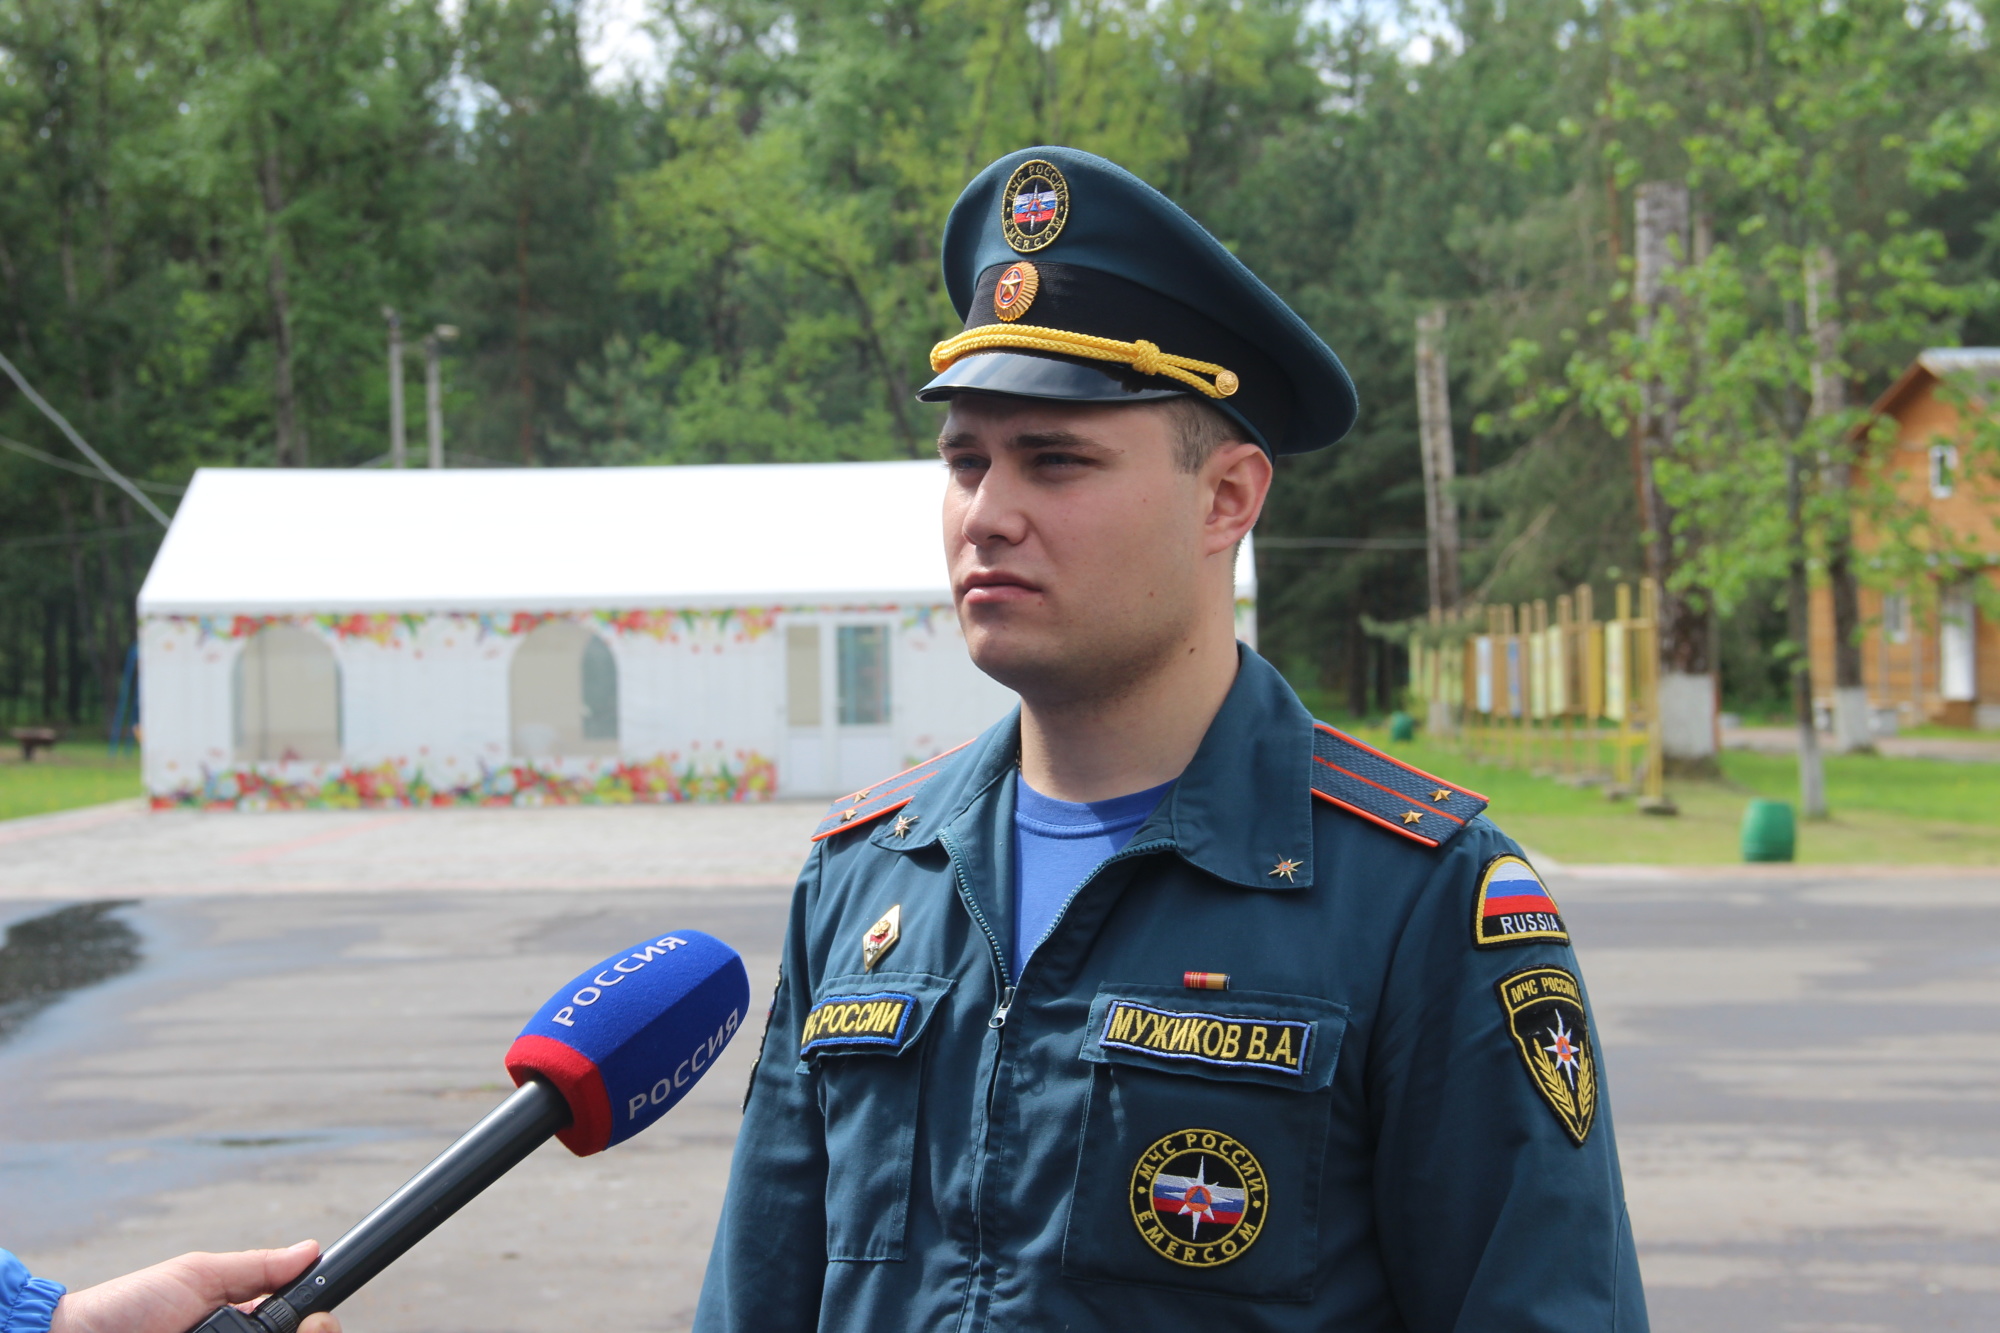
{"x": 1028, "y": 668}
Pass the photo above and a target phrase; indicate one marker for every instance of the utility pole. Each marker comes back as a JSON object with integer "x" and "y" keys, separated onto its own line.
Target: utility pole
{"x": 1687, "y": 701}
{"x": 433, "y": 391}
{"x": 399, "y": 452}
{"x": 1798, "y": 591}
{"x": 1434, "y": 441}
{"x": 1852, "y": 730}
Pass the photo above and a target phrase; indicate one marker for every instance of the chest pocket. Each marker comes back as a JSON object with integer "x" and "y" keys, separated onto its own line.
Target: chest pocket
{"x": 1204, "y": 1140}
{"x": 863, "y": 1038}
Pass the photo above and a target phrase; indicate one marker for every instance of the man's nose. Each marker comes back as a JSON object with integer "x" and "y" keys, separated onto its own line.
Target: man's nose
{"x": 993, "y": 514}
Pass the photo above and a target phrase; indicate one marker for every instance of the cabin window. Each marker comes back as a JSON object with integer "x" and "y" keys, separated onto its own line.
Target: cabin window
{"x": 563, "y": 693}
{"x": 1896, "y": 617}
{"x": 287, "y": 697}
{"x": 1944, "y": 470}
{"x": 802, "y": 675}
{"x": 864, "y": 675}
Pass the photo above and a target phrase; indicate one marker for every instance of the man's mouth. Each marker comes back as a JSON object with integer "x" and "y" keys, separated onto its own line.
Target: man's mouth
{"x": 994, "y": 588}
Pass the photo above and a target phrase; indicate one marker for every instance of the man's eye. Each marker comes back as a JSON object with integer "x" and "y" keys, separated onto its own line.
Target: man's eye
{"x": 965, "y": 464}
{"x": 1059, "y": 460}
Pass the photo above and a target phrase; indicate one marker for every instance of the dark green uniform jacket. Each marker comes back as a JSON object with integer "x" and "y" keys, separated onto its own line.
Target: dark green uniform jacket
{"x": 1374, "y": 1126}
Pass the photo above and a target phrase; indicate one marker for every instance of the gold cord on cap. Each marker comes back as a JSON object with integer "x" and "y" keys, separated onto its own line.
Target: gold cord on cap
{"x": 1142, "y": 356}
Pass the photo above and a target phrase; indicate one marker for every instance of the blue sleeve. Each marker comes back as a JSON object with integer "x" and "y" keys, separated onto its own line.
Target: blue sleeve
{"x": 1491, "y": 1214}
{"x": 27, "y": 1303}
{"x": 768, "y": 1264}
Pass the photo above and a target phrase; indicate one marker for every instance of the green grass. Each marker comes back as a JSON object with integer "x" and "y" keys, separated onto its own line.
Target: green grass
{"x": 74, "y": 773}
{"x": 1885, "y": 811}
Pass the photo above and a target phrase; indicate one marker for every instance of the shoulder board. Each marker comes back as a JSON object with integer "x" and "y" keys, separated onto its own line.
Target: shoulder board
{"x": 1387, "y": 791}
{"x": 878, "y": 799}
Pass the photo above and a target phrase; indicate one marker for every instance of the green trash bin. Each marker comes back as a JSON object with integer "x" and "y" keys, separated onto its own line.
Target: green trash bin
{"x": 1402, "y": 727}
{"x": 1769, "y": 833}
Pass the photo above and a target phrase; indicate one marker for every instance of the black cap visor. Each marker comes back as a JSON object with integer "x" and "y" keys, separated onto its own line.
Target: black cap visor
{"x": 1059, "y": 380}
{"x": 1029, "y": 375}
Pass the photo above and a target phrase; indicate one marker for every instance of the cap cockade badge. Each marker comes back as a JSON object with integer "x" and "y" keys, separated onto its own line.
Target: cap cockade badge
{"x": 881, "y": 937}
{"x": 1034, "y": 206}
{"x": 1199, "y": 1198}
{"x": 1015, "y": 291}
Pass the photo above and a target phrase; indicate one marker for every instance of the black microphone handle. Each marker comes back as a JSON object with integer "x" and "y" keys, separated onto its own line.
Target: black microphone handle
{"x": 484, "y": 1153}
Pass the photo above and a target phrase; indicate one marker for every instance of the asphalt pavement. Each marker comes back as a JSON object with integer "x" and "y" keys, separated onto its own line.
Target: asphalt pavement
{"x": 1804, "y": 1066}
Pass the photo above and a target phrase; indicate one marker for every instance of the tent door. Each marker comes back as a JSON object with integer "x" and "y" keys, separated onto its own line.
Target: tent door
{"x": 838, "y": 707}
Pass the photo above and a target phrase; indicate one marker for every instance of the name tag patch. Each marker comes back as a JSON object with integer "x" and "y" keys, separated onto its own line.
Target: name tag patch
{"x": 857, "y": 1023}
{"x": 1235, "y": 1041}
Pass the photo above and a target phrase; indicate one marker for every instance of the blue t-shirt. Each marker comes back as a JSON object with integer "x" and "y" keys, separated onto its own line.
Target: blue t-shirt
{"x": 1056, "y": 846}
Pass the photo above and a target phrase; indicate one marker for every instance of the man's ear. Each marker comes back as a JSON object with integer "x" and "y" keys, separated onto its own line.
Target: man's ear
{"x": 1235, "y": 481}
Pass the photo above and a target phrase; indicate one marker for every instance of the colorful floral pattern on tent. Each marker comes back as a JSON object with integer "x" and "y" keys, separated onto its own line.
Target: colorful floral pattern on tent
{"x": 664, "y": 779}
{"x": 716, "y": 625}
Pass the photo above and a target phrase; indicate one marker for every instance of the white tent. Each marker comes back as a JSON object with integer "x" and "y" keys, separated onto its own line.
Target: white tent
{"x": 548, "y": 635}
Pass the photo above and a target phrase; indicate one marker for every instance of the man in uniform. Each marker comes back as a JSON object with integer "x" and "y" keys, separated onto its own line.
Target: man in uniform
{"x": 1158, "y": 1005}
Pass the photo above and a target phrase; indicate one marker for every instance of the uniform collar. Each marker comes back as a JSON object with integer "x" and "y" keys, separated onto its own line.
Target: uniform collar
{"x": 1242, "y": 810}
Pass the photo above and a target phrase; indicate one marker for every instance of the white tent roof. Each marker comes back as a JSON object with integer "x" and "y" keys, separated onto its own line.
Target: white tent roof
{"x": 267, "y": 541}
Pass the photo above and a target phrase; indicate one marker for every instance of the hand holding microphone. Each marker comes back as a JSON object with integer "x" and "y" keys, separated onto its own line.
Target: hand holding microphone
{"x": 163, "y": 1298}
{"x": 608, "y": 1055}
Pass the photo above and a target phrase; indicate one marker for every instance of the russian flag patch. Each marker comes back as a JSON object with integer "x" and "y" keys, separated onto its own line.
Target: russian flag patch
{"x": 1513, "y": 906}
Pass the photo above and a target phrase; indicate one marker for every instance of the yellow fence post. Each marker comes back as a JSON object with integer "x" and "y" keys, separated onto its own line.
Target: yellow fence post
{"x": 1653, "y": 799}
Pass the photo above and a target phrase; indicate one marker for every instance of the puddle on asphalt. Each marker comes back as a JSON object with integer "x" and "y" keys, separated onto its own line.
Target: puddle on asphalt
{"x": 47, "y": 956}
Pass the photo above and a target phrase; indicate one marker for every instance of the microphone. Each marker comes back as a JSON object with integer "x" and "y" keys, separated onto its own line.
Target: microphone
{"x": 609, "y": 1054}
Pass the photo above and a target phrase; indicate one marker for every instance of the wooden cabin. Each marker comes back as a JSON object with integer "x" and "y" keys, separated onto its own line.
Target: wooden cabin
{"x": 1928, "y": 655}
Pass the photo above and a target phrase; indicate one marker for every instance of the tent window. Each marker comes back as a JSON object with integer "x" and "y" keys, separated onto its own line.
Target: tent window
{"x": 864, "y": 675}
{"x": 802, "y": 675}
{"x": 287, "y": 697}
{"x": 600, "y": 692}
{"x": 563, "y": 692}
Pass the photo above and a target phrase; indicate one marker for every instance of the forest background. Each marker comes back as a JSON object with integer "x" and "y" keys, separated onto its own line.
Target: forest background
{"x": 205, "y": 206}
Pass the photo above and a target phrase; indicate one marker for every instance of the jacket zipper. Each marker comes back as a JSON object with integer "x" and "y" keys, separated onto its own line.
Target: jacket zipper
{"x": 998, "y": 1021}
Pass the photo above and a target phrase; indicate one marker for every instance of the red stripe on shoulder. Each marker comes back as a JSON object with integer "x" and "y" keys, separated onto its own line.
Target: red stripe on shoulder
{"x": 1375, "y": 819}
{"x": 880, "y": 798}
{"x": 1407, "y": 768}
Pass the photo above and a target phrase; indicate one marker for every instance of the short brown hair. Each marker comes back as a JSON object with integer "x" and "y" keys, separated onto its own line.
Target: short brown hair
{"x": 1199, "y": 430}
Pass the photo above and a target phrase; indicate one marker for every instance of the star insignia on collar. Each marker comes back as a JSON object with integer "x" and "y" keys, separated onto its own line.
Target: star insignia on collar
{"x": 1440, "y": 793}
{"x": 904, "y": 823}
{"x": 1287, "y": 868}
{"x": 1412, "y": 816}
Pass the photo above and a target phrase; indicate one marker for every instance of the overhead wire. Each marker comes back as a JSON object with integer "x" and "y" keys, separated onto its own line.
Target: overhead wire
{"x": 116, "y": 477}
{"x": 29, "y": 451}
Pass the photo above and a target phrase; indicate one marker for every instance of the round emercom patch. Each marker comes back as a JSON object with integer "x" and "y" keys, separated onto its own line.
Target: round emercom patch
{"x": 1034, "y": 206}
{"x": 1199, "y": 1198}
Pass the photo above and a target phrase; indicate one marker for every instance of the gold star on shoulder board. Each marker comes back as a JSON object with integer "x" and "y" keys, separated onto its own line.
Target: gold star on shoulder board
{"x": 1287, "y": 868}
{"x": 1440, "y": 793}
{"x": 904, "y": 824}
{"x": 1412, "y": 816}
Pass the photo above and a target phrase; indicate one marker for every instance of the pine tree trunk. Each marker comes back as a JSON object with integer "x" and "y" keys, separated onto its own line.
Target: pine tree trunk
{"x": 291, "y": 435}
{"x": 1687, "y": 676}
{"x": 1852, "y": 728}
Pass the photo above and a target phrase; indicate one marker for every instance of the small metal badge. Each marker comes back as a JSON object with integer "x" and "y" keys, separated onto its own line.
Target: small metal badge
{"x": 1015, "y": 291}
{"x": 1033, "y": 206}
{"x": 881, "y": 937}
